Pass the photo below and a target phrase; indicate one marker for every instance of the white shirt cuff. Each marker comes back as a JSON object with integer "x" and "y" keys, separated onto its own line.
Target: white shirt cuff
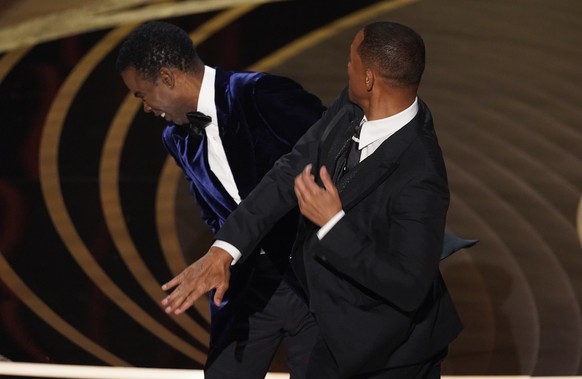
{"x": 330, "y": 224}
{"x": 233, "y": 251}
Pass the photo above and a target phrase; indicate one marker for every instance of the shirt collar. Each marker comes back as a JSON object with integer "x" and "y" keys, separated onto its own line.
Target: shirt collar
{"x": 385, "y": 127}
{"x": 206, "y": 97}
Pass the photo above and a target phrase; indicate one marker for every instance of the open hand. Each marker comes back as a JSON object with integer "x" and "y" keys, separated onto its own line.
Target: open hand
{"x": 211, "y": 271}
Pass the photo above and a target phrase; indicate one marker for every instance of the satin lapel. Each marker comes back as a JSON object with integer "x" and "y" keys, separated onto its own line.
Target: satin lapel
{"x": 208, "y": 186}
{"x": 375, "y": 169}
{"x": 239, "y": 153}
{"x": 340, "y": 128}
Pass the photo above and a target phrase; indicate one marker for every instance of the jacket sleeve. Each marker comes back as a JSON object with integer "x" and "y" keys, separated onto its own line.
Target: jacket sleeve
{"x": 274, "y": 196}
{"x": 400, "y": 267}
{"x": 286, "y": 108}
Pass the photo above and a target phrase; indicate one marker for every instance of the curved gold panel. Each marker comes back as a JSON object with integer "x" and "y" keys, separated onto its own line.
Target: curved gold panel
{"x": 28, "y": 297}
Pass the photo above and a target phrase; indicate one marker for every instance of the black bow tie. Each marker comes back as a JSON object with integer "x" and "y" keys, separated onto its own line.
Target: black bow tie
{"x": 198, "y": 121}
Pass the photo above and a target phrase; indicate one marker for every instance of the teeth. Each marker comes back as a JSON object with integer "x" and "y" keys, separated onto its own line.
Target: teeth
{"x": 163, "y": 115}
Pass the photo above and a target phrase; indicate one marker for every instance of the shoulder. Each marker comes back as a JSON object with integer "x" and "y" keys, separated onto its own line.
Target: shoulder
{"x": 240, "y": 84}
{"x": 271, "y": 80}
{"x": 428, "y": 148}
{"x": 260, "y": 83}
{"x": 252, "y": 78}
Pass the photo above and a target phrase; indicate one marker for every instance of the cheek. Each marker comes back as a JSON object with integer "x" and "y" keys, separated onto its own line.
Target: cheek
{"x": 160, "y": 100}
{"x": 355, "y": 88}
{"x": 353, "y": 82}
{"x": 351, "y": 92}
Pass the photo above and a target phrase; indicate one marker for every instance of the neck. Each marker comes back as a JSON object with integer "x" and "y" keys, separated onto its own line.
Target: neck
{"x": 384, "y": 104}
{"x": 191, "y": 84}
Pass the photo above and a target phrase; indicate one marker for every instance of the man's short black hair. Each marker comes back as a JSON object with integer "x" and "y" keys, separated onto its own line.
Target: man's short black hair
{"x": 395, "y": 51}
{"x": 158, "y": 44}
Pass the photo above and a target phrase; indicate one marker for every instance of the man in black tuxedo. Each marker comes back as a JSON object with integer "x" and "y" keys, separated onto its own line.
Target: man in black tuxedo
{"x": 225, "y": 130}
{"x": 370, "y": 238}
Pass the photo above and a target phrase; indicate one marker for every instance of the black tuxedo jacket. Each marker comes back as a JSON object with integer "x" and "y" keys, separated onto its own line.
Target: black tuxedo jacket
{"x": 373, "y": 281}
{"x": 260, "y": 117}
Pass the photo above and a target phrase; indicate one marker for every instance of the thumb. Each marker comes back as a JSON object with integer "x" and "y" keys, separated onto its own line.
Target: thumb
{"x": 219, "y": 295}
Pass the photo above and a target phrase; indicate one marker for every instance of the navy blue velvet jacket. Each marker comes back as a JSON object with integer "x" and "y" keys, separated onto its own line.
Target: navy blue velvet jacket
{"x": 260, "y": 117}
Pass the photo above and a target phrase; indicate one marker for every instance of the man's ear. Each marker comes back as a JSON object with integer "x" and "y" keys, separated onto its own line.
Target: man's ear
{"x": 167, "y": 77}
{"x": 369, "y": 79}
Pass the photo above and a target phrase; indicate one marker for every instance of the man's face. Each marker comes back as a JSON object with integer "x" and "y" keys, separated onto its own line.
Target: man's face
{"x": 159, "y": 97}
{"x": 356, "y": 71}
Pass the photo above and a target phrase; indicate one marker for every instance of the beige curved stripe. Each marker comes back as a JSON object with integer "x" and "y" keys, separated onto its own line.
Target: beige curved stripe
{"x": 24, "y": 293}
{"x": 51, "y": 189}
{"x": 28, "y": 297}
{"x": 105, "y": 15}
{"x": 321, "y": 34}
{"x": 171, "y": 174}
{"x": 9, "y": 60}
{"x": 165, "y": 216}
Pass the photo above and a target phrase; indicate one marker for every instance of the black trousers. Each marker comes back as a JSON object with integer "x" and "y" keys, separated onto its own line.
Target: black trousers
{"x": 264, "y": 324}
{"x": 323, "y": 366}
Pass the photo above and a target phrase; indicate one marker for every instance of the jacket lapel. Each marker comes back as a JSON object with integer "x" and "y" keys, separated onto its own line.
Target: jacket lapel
{"x": 375, "y": 169}
{"x": 333, "y": 139}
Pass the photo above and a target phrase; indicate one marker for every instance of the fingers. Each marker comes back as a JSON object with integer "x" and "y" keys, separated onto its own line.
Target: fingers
{"x": 210, "y": 271}
{"x": 302, "y": 183}
{"x": 177, "y": 301}
{"x": 172, "y": 283}
{"x": 172, "y": 301}
{"x": 306, "y": 187}
{"x": 318, "y": 204}
{"x": 184, "y": 296}
{"x": 305, "y": 179}
{"x": 179, "y": 305}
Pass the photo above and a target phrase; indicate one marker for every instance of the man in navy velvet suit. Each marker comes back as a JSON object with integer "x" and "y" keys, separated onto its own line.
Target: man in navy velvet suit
{"x": 226, "y": 130}
{"x": 371, "y": 233}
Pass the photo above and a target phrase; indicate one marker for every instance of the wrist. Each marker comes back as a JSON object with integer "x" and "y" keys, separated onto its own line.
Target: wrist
{"x": 220, "y": 255}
